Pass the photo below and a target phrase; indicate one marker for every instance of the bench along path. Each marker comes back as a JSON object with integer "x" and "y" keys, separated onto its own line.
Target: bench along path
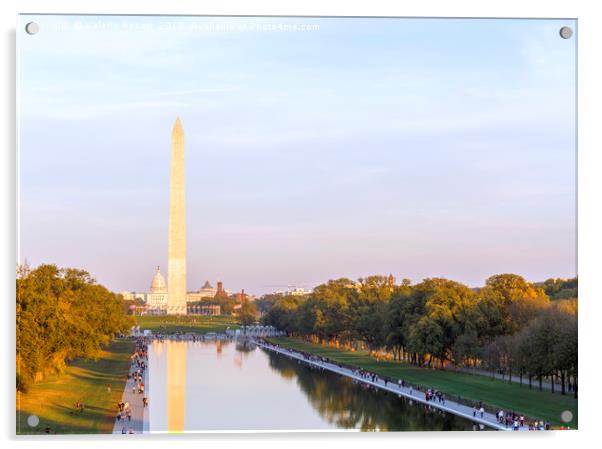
{"x": 488, "y": 419}
{"x": 140, "y": 418}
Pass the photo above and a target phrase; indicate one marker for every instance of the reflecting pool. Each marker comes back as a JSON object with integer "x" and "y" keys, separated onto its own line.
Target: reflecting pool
{"x": 225, "y": 385}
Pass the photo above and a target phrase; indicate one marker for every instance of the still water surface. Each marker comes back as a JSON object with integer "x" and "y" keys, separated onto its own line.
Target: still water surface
{"x": 223, "y": 385}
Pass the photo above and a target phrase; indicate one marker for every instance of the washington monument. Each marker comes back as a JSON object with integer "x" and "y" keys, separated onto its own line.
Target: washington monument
{"x": 176, "y": 264}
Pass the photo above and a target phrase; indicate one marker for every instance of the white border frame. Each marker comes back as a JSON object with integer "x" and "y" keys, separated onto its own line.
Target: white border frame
{"x": 589, "y": 183}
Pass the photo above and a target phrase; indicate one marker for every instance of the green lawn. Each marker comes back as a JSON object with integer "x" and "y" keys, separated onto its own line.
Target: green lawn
{"x": 533, "y": 403}
{"x": 170, "y": 324}
{"x": 85, "y": 381}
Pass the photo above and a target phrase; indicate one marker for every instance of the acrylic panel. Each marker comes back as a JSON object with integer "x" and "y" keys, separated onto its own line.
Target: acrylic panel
{"x": 295, "y": 224}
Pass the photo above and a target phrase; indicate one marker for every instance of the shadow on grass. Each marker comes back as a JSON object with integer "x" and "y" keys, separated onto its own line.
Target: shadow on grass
{"x": 84, "y": 381}
{"x": 63, "y": 423}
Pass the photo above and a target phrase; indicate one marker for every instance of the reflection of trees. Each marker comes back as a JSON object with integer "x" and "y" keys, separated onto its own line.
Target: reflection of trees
{"x": 346, "y": 404}
{"x": 283, "y": 366}
{"x": 245, "y": 346}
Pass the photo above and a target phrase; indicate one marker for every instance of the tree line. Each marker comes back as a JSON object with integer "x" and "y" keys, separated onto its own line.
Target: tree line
{"x": 62, "y": 314}
{"x": 509, "y": 325}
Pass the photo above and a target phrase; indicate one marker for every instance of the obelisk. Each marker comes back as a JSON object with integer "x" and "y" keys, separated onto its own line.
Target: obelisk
{"x": 176, "y": 264}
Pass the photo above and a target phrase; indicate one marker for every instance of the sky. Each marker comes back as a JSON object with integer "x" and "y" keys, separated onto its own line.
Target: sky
{"x": 316, "y": 148}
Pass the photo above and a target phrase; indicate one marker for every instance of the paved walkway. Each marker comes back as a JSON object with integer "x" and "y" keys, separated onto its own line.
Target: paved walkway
{"x": 140, "y": 414}
{"x": 488, "y": 419}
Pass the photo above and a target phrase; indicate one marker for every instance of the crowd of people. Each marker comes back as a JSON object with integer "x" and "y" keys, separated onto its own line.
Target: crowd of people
{"x": 124, "y": 411}
{"x": 139, "y": 361}
{"x": 138, "y": 365}
{"x": 435, "y": 395}
{"x": 509, "y": 418}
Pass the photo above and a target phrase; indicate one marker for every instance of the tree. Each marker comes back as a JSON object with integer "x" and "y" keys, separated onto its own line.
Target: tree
{"x": 247, "y": 313}
{"x": 62, "y": 314}
{"x": 510, "y": 287}
{"x": 550, "y": 341}
{"x": 397, "y": 321}
{"x": 283, "y": 314}
{"x": 508, "y": 325}
{"x": 367, "y": 310}
{"x": 561, "y": 288}
{"x": 517, "y": 300}
{"x": 426, "y": 339}
{"x": 332, "y": 300}
{"x": 466, "y": 346}
{"x": 266, "y": 302}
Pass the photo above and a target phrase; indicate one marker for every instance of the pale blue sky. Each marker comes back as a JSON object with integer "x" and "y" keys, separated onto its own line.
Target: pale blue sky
{"x": 421, "y": 147}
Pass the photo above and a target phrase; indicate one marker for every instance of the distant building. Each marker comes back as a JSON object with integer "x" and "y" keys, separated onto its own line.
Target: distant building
{"x": 241, "y": 296}
{"x": 391, "y": 280}
{"x": 220, "y": 293}
{"x": 131, "y": 296}
{"x": 296, "y": 291}
{"x": 204, "y": 309}
{"x": 156, "y": 299}
{"x": 157, "y": 296}
{"x": 207, "y": 291}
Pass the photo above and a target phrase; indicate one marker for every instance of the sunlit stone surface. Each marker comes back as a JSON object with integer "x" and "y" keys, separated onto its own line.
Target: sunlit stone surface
{"x": 176, "y": 265}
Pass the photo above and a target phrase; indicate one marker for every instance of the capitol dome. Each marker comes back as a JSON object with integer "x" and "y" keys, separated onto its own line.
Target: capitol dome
{"x": 158, "y": 283}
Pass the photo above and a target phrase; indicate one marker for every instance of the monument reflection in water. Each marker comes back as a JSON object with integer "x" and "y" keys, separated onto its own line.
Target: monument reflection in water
{"x": 218, "y": 386}
{"x": 176, "y": 385}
